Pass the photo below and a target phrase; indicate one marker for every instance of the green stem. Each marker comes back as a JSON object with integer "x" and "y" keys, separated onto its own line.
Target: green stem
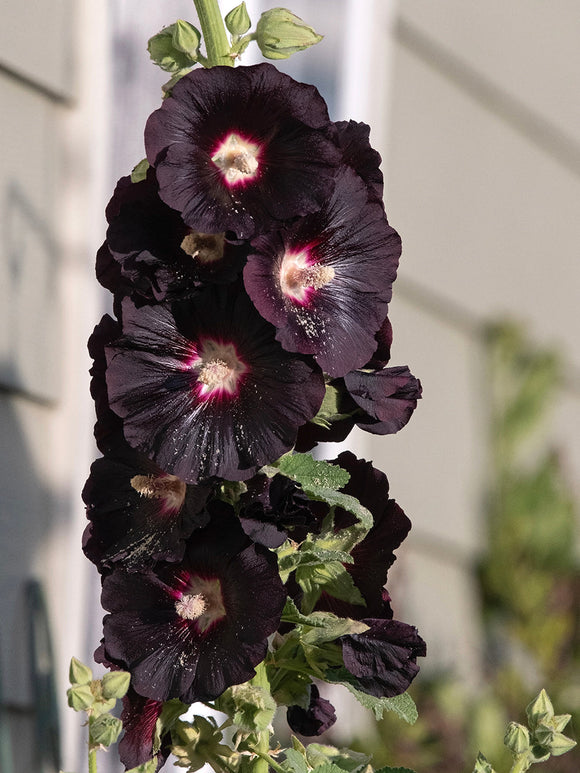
{"x": 521, "y": 764}
{"x": 214, "y": 33}
{"x": 262, "y": 764}
{"x": 271, "y": 762}
{"x": 93, "y": 761}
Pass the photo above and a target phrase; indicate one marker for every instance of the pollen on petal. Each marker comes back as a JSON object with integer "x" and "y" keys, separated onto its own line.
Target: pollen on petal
{"x": 168, "y": 488}
{"x": 299, "y": 276}
{"x": 206, "y": 248}
{"x": 219, "y": 368}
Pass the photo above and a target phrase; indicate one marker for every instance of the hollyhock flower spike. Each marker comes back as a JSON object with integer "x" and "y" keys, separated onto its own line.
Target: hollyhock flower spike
{"x": 192, "y": 629}
{"x": 205, "y": 390}
{"x": 325, "y": 281}
{"x": 242, "y": 149}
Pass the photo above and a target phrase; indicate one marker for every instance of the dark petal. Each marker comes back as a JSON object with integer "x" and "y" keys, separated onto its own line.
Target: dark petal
{"x": 132, "y": 528}
{"x": 109, "y": 274}
{"x": 139, "y": 719}
{"x": 388, "y": 396}
{"x": 384, "y": 339}
{"x": 285, "y": 119}
{"x": 316, "y": 719}
{"x": 353, "y": 140}
{"x": 154, "y": 389}
{"x": 384, "y": 658}
{"x": 356, "y": 252}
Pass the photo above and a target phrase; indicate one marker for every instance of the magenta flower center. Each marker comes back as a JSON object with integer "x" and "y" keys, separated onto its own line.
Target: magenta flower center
{"x": 206, "y": 248}
{"x": 219, "y": 368}
{"x": 298, "y": 275}
{"x": 168, "y": 488}
{"x": 237, "y": 159}
{"x": 202, "y": 602}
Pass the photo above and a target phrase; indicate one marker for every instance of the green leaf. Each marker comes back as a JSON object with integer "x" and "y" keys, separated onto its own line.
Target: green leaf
{"x": 323, "y": 756}
{"x": 348, "y": 503}
{"x": 402, "y": 705}
{"x": 139, "y": 171}
{"x": 307, "y": 471}
{"x": 251, "y": 708}
{"x": 279, "y": 34}
{"x": 331, "y": 578}
{"x": 482, "y": 765}
{"x": 237, "y": 20}
{"x": 394, "y": 770}
{"x": 294, "y": 761}
{"x": 330, "y": 410}
{"x": 78, "y": 673}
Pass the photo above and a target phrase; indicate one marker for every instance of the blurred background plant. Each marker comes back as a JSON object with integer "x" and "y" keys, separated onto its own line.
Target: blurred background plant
{"x": 528, "y": 578}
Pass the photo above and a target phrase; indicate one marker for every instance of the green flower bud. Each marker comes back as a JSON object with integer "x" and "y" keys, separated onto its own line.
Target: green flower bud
{"x": 115, "y": 684}
{"x": 78, "y": 673}
{"x": 280, "y": 34}
{"x": 517, "y": 738}
{"x": 237, "y": 20}
{"x": 543, "y": 734}
{"x": 176, "y": 47}
{"x": 540, "y": 709}
{"x": 80, "y": 697}
{"x": 560, "y": 744}
{"x": 195, "y": 743}
{"x": 104, "y": 730}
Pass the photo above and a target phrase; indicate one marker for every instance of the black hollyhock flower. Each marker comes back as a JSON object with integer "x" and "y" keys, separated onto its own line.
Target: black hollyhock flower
{"x": 315, "y": 719}
{"x": 161, "y": 258}
{"x": 191, "y": 630}
{"x": 138, "y": 514}
{"x": 353, "y": 139}
{"x": 240, "y": 149}
{"x": 384, "y": 658}
{"x": 325, "y": 281}
{"x": 275, "y": 508}
{"x": 374, "y": 555}
{"x": 139, "y": 718}
{"x": 387, "y": 397}
{"x": 205, "y": 390}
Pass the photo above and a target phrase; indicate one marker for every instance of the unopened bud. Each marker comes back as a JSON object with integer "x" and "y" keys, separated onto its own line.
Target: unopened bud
{"x": 279, "y": 34}
{"x": 115, "y": 684}
{"x": 540, "y": 709}
{"x": 104, "y": 730}
{"x": 80, "y": 697}
{"x": 78, "y": 673}
{"x": 517, "y": 738}
{"x": 176, "y": 47}
{"x": 237, "y": 20}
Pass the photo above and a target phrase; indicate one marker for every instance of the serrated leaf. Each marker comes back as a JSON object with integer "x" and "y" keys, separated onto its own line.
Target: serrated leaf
{"x": 482, "y": 765}
{"x": 295, "y": 761}
{"x": 402, "y": 705}
{"x": 348, "y": 503}
{"x": 331, "y": 578}
{"x": 304, "y": 469}
{"x": 324, "y": 757}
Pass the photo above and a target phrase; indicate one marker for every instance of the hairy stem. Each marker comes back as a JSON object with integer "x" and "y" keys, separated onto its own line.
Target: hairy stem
{"x": 92, "y": 761}
{"x": 214, "y": 33}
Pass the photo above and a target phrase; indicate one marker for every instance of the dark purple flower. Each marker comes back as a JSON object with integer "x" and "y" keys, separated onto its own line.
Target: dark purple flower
{"x": 384, "y": 658}
{"x": 191, "y": 630}
{"x": 275, "y": 508}
{"x": 387, "y": 397}
{"x": 325, "y": 280}
{"x": 161, "y": 258}
{"x": 353, "y": 139}
{"x": 137, "y": 746}
{"x": 204, "y": 389}
{"x": 240, "y": 149}
{"x": 314, "y": 720}
{"x": 138, "y": 514}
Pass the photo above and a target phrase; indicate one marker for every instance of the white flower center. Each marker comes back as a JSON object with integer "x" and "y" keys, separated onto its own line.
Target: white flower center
{"x": 297, "y": 276}
{"x": 206, "y": 248}
{"x": 219, "y": 368}
{"x": 202, "y": 602}
{"x": 237, "y": 159}
{"x": 168, "y": 488}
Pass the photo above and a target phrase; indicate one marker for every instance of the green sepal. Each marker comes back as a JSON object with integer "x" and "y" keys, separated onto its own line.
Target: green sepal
{"x": 104, "y": 730}
{"x": 482, "y": 765}
{"x": 539, "y": 709}
{"x": 139, "y": 171}
{"x": 238, "y": 20}
{"x": 280, "y": 33}
{"x": 80, "y": 697}
{"x": 78, "y": 673}
{"x": 176, "y": 47}
{"x": 250, "y": 707}
{"x": 560, "y": 744}
{"x": 115, "y": 684}
{"x": 167, "y": 720}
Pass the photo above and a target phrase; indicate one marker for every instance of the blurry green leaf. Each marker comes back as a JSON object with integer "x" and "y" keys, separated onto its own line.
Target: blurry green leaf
{"x": 482, "y": 765}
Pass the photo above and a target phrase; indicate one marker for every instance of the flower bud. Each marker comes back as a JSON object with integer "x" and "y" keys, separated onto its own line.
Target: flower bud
{"x": 540, "y": 709}
{"x": 176, "y": 47}
{"x": 78, "y": 673}
{"x": 280, "y": 34}
{"x": 517, "y": 738}
{"x": 237, "y": 20}
{"x": 115, "y": 684}
{"x": 80, "y": 697}
{"x": 105, "y": 730}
